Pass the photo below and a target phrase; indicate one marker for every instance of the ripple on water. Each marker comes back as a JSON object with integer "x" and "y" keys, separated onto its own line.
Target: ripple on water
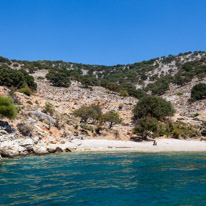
{"x": 104, "y": 179}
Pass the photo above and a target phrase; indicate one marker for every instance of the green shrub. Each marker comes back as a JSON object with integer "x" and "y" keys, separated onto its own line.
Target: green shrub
{"x": 203, "y": 132}
{"x": 26, "y": 90}
{"x": 29, "y": 102}
{"x": 7, "y": 108}
{"x": 176, "y": 133}
{"x": 86, "y": 127}
{"x": 40, "y": 78}
{"x": 198, "y": 92}
{"x": 15, "y": 65}
{"x": 16, "y": 78}
{"x": 196, "y": 115}
{"x": 147, "y": 126}
{"x": 49, "y": 108}
{"x": 59, "y": 77}
{"x": 123, "y": 93}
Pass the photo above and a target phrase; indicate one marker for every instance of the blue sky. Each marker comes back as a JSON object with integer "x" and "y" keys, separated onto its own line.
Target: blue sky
{"x": 100, "y": 31}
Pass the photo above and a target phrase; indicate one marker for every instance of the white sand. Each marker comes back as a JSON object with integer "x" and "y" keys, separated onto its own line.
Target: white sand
{"x": 163, "y": 145}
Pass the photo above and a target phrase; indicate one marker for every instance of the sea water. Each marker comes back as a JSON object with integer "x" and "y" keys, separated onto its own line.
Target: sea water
{"x": 113, "y": 179}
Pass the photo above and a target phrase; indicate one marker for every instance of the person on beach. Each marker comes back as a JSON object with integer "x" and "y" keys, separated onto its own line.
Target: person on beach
{"x": 154, "y": 143}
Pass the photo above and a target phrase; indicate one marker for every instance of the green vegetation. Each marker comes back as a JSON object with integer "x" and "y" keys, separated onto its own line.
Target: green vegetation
{"x": 4, "y": 60}
{"x": 198, "y": 92}
{"x": 152, "y": 106}
{"x": 88, "y": 112}
{"x": 49, "y": 109}
{"x": 86, "y": 127}
{"x": 118, "y": 78}
{"x": 146, "y": 127}
{"x": 59, "y": 77}
{"x": 112, "y": 117}
{"x": 26, "y": 90}
{"x": 148, "y": 112}
{"x": 7, "y": 108}
{"x": 94, "y": 112}
{"x": 151, "y": 127}
{"x": 16, "y": 78}
{"x": 29, "y": 102}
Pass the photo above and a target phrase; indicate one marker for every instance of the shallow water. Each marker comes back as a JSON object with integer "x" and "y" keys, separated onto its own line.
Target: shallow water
{"x": 105, "y": 179}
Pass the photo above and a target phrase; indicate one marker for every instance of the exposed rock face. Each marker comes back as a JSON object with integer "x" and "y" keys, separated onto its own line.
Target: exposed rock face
{"x": 40, "y": 150}
{"x": 12, "y": 149}
{"x": 17, "y": 147}
{"x": 43, "y": 116}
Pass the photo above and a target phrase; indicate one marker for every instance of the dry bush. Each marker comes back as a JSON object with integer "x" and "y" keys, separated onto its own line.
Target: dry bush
{"x": 25, "y": 129}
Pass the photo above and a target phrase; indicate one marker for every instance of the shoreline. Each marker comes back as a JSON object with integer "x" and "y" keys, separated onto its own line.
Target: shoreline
{"x": 163, "y": 145}
{"x": 118, "y": 146}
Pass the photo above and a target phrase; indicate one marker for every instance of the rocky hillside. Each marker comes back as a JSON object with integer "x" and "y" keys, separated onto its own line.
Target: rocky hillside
{"x": 113, "y": 88}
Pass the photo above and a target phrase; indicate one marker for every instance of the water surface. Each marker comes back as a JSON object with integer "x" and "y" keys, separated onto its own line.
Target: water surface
{"x": 113, "y": 179}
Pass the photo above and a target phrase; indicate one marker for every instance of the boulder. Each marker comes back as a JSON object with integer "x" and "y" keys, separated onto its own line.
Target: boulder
{"x": 0, "y": 159}
{"x": 41, "y": 115}
{"x": 12, "y": 149}
{"x": 40, "y": 150}
{"x": 76, "y": 142}
{"x": 3, "y": 132}
{"x": 27, "y": 143}
{"x": 7, "y": 137}
{"x": 68, "y": 146}
{"x": 51, "y": 148}
{"x": 4, "y": 138}
{"x": 5, "y": 125}
{"x": 35, "y": 139}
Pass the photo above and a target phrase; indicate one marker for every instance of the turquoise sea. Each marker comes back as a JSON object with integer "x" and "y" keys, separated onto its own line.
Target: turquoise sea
{"x": 113, "y": 179}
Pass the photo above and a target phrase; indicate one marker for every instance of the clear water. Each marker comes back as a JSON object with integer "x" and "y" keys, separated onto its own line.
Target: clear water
{"x": 105, "y": 179}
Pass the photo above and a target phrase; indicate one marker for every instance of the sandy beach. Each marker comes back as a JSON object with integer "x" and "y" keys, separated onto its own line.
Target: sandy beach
{"x": 163, "y": 145}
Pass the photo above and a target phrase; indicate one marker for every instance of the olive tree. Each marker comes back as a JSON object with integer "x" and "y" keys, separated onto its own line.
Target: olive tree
{"x": 152, "y": 106}
{"x": 112, "y": 117}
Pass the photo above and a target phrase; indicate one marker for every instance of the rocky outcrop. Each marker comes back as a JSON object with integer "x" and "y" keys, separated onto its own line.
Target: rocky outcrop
{"x": 40, "y": 150}
{"x": 43, "y": 116}
{"x": 11, "y": 147}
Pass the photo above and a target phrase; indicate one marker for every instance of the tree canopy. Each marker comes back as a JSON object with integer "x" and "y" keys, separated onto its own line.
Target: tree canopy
{"x": 16, "y": 78}
{"x": 112, "y": 117}
{"x": 88, "y": 112}
{"x": 146, "y": 126}
{"x": 152, "y": 106}
{"x": 59, "y": 77}
{"x": 198, "y": 92}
